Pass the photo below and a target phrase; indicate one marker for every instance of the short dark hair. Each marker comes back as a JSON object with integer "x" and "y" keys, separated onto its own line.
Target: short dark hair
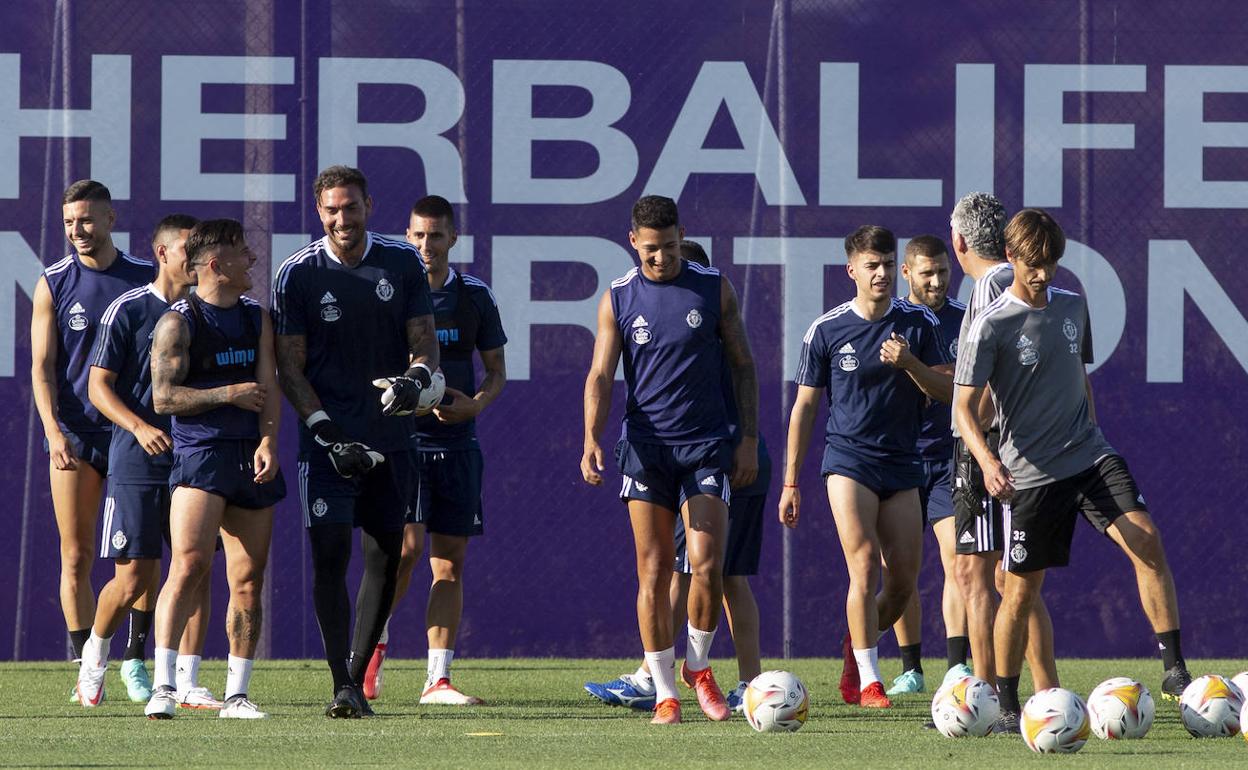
{"x": 655, "y": 212}
{"x": 173, "y": 223}
{"x": 693, "y": 251}
{"x": 870, "y": 238}
{"x": 86, "y": 190}
{"x": 925, "y": 246}
{"x": 338, "y": 176}
{"x": 434, "y": 207}
{"x": 1034, "y": 237}
{"x": 210, "y": 235}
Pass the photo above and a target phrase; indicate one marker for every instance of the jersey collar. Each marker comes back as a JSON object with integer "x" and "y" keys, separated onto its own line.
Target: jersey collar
{"x": 152, "y": 288}
{"x": 368, "y": 246}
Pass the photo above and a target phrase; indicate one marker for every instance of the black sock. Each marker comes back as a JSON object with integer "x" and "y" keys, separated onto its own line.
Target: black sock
{"x": 331, "y": 553}
{"x": 79, "y": 639}
{"x": 376, "y": 595}
{"x": 957, "y": 650}
{"x": 140, "y": 629}
{"x": 911, "y": 658}
{"x": 1170, "y": 648}
{"x": 1007, "y": 691}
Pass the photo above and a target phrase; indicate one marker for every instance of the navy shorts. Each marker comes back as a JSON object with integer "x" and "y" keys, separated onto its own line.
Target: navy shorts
{"x": 377, "y": 501}
{"x": 447, "y": 497}
{"x": 745, "y": 537}
{"x": 136, "y": 521}
{"x": 225, "y": 468}
{"x": 883, "y": 478}
{"x": 669, "y": 475}
{"x": 936, "y": 493}
{"x": 92, "y": 447}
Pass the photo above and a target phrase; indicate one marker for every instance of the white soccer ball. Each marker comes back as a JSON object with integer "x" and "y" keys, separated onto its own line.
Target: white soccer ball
{"x": 965, "y": 706}
{"x": 1243, "y": 721}
{"x": 1121, "y": 708}
{"x": 1240, "y": 680}
{"x": 1211, "y": 706}
{"x": 1055, "y": 721}
{"x": 432, "y": 395}
{"x": 776, "y": 701}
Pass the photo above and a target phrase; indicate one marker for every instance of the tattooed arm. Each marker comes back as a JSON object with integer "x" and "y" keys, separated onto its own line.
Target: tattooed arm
{"x": 292, "y": 357}
{"x": 171, "y": 347}
{"x": 744, "y": 384}
{"x": 422, "y": 341}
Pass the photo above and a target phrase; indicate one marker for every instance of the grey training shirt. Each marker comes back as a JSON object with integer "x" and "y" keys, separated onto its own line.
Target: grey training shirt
{"x": 989, "y": 286}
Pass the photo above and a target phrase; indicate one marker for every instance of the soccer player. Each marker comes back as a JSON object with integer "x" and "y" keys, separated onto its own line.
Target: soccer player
{"x": 880, "y": 360}
{"x": 1030, "y": 348}
{"x": 926, "y": 270}
{"x": 447, "y": 499}
{"x": 136, "y": 510}
{"x": 350, "y": 308}
{"x": 745, "y": 541}
{"x": 70, "y": 297}
{"x": 213, "y": 370}
{"x": 977, "y": 235}
{"x": 674, "y": 322}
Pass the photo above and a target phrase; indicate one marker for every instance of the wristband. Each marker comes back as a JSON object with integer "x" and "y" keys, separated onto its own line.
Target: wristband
{"x": 424, "y": 380}
{"x": 316, "y": 418}
{"x": 790, "y": 486}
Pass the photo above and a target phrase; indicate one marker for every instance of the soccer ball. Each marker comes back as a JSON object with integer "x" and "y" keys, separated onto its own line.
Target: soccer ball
{"x": 965, "y": 706}
{"x": 432, "y": 395}
{"x": 1243, "y": 721}
{"x": 1240, "y": 680}
{"x": 776, "y": 701}
{"x": 1121, "y": 708}
{"x": 1055, "y": 721}
{"x": 1210, "y": 707}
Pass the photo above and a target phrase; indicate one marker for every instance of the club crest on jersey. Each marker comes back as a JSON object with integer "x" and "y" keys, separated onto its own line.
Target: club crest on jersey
{"x": 1018, "y": 553}
{"x": 119, "y": 540}
{"x": 1070, "y": 330}
{"x": 694, "y": 319}
{"x": 848, "y": 363}
{"x": 385, "y": 290}
{"x": 1028, "y": 356}
{"x": 320, "y": 507}
{"x": 330, "y": 313}
{"x": 953, "y": 349}
{"x": 78, "y": 317}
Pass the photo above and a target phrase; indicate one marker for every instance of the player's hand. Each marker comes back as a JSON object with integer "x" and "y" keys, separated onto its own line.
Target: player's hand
{"x": 790, "y": 506}
{"x": 265, "y": 461}
{"x": 153, "y": 440}
{"x": 246, "y": 395}
{"x": 402, "y": 393}
{"x": 592, "y": 463}
{"x": 349, "y": 458}
{"x": 459, "y": 408}
{"x": 61, "y": 452}
{"x": 998, "y": 481}
{"x": 744, "y": 463}
{"x": 896, "y": 352}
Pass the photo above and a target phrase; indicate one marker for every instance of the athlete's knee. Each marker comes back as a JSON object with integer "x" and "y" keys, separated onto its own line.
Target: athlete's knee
{"x": 76, "y": 560}
{"x": 446, "y": 570}
{"x": 971, "y": 578}
{"x": 1143, "y": 541}
{"x": 737, "y": 588}
{"x": 245, "y": 579}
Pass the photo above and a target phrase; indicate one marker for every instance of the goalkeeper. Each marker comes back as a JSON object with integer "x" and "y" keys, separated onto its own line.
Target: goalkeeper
{"x": 351, "y": 308}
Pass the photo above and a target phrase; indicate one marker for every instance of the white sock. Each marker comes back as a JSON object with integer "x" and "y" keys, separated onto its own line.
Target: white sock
{"x": 868, "y": 665}
{"x": 698, "y": 651}
{"x": 95, "y": 651}
{"x": 663, "y": 671}
{"x": 238, "y": 676}
{"x": 188, "y": 672}
{"x": 642, "y": 679}
{"x": 385, "y": 633}
{"x": 439, "y": 665}
{"x": 166, "y": 667}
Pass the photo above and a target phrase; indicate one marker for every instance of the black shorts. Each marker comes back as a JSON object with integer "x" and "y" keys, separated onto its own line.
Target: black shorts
{"x": 447, "y": 497}
{"x": 977, "y": 515}
{"x": 91, "y": 447}
{"x": 375, "y": 502}
{"x": 1041, "y": 520}
{"x": 745, "y": 537}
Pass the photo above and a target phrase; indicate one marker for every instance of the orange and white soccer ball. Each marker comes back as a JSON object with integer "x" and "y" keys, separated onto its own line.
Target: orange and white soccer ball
{"x": 1211, "y": 706}
{"x": 1055, "y": 721}
{"x": 1240, "y": 680}
{"x": 965, "y": 706}
{"x": 1121, "y": 708}
{"x": 776, "y": 701}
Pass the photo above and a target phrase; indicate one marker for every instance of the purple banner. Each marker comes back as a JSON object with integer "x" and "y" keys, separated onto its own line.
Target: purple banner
{"x": 779, "y": 128}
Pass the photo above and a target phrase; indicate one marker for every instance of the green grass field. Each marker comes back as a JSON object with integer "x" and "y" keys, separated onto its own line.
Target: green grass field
{"x": 538, "y": 716}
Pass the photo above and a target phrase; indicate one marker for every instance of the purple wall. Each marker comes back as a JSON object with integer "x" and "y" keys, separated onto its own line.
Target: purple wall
{"x": 885, "y": 112}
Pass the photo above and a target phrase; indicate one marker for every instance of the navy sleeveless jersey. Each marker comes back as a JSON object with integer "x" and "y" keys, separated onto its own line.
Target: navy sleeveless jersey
{"x": 466, "y": 315}
{"x": 224, "y": 347}
{"x": 673, "y": 356}
{"x": 936, "y": 435}
{"x": 124, "y": 346}
{"x": 80, "y": 296}
{"x": 874, "y": 410}
{"x": 355, "y": 323}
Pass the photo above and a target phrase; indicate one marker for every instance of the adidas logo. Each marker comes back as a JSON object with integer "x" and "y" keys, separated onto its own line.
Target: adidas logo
{"x": 328, "y": 298}
{"x": 639, "y": 322}
{"x": 967, "y": 537}
{"x": 1023, "y": 342}
{"x": 77, "y": 308}
{"x": 846, "y": 348}
{"x": 1139, "y": 499}
{"x": 709, "y": 481}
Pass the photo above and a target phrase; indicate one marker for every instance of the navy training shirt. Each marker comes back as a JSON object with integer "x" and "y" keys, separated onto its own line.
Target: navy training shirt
{"x": 874, "y": 410}
{"x": 80, "y": 295}
{"x": 673, "y": 356}
{"x": 466, "y": 315}
{"x": 224, "y": 351}
{"x": 936, "y": 435}
{"x": 355, "y": 323}
{"x": 124, "y": 346}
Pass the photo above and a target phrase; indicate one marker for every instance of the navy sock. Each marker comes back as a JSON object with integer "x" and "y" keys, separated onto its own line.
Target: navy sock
{"x": 957, "y": 650}
{"x": 79, "y": 639}
{"x": 911, "y": 658}
{"x": 1007, "y": 690}
{"x": 140, "y": 629}
{"x": 1170, "y": 648}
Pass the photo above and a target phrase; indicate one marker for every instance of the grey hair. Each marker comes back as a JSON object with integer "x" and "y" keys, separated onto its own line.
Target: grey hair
{"x": 980, "y": 218}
